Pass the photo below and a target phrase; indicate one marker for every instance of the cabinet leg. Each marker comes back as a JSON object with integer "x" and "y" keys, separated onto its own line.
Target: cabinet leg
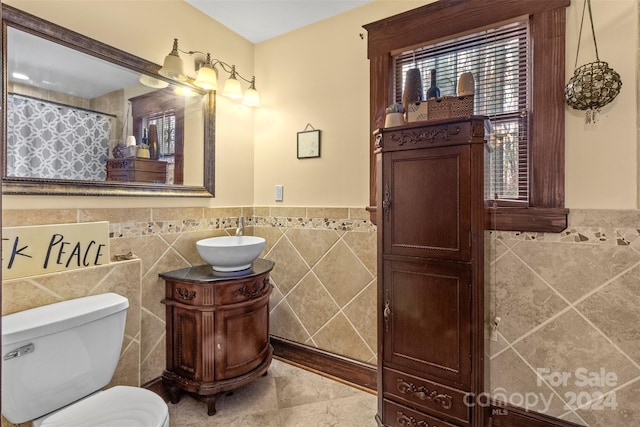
{"x": 210, "y": 401}
{"x": 175, "y": 394}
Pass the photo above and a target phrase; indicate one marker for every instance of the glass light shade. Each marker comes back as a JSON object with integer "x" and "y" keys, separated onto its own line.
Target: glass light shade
{"x": 173, "y": 68}
{"x": 251, "y": 98}
{"x": 232, "y": 88}
{"x": 152, "y": 82}
{"x": 207, "y": 78}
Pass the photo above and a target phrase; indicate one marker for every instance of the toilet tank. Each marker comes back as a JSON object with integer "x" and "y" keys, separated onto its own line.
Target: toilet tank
{"x": 56, "y": 354}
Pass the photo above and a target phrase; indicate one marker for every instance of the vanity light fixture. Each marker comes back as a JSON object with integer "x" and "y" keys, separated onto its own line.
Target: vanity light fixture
{"x": 207, "y": 75}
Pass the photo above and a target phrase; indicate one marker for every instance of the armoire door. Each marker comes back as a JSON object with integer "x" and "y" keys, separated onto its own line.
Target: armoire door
{"x": 426, "y": 320}
{"x": 426, "y": 203}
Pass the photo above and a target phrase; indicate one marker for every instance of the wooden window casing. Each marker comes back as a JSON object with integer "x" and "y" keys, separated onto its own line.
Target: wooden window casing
{"x": 544, "y": 211}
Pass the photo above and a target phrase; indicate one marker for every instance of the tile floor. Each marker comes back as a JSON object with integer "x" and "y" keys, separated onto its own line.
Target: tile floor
{"x": 287, "y": 397}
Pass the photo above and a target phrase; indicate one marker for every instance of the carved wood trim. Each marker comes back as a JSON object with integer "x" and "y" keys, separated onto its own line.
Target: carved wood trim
{"x": 409, "y": 421}
{"x": 185, "y": 294}
{"x": 428, "y": 135}
{"x": 253, "y": 290}
{"x": 423, "y": 393}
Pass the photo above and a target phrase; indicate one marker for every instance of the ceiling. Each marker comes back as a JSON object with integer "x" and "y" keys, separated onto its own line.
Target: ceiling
{"x": 259, "y": 20}
{"x": 51, "y": 66}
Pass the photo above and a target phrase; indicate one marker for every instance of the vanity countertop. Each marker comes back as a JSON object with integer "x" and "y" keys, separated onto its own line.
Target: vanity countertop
{"x": 205, "y": 273}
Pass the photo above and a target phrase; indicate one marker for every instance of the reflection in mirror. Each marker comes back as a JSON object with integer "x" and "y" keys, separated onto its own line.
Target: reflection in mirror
{"x": 85, "y": 118}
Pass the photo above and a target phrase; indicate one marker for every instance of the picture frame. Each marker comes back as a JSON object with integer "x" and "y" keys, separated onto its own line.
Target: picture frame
{"x": 308, "y": 144}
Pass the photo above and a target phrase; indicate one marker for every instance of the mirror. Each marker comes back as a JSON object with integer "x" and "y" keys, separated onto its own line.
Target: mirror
{"x": 76, "y": 112}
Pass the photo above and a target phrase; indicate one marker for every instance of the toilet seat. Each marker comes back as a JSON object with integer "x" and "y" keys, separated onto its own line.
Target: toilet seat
{"x": 120, "y": 406}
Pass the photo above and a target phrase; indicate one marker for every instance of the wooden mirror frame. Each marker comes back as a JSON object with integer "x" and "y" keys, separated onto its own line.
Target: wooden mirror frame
{"x": 31, "y": 24}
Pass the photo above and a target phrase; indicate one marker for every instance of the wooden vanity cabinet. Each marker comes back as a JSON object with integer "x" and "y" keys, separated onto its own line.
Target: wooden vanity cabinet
{"x": 430, "y": 273}
{"x": 217, "y": 328}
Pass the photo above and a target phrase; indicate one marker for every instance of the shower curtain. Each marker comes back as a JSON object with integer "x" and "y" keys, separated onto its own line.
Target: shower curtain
{"x": 53, "y": 141}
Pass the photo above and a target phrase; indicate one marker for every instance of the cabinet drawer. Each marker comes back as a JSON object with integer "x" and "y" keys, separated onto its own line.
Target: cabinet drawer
{"x": 395, "y": 415}
{"x": 217, "y": 293}
{"x": 426, "y": 395}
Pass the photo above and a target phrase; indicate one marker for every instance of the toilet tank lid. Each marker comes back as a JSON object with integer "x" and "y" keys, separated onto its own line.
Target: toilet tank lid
{"x": 56, "y": 317}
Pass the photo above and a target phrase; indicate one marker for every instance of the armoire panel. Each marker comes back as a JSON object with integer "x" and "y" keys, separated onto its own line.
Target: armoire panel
{"x": 429, "y": 300}
{"x": 428, "y": 211}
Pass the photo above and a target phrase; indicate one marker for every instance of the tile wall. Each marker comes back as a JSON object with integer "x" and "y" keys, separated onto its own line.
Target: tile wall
{"x": 568, "y": 342}
{"x": 568, "y": 302}
{"x": 324, "y": 278}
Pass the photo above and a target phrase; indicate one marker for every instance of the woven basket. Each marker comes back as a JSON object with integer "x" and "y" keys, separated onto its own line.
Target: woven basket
{"x": 449, "y": 107}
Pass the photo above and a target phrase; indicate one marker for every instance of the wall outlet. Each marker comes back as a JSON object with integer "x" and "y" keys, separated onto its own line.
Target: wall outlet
{"x": 279, "y": 193}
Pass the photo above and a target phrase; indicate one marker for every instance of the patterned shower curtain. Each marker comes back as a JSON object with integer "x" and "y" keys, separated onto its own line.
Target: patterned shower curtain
{"x": 48, "y": 140}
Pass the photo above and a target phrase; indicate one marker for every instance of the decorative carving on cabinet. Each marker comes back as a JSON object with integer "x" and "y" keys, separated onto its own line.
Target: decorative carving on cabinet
{"x": 477, "y": 130}
{"x": 378, "y": 141}
{"x": 423, "y": 393}
{"x": 185, "y": 294}
{"x": 429, "y": 135}
{"x": 255, "y": 290}
{"x": 406, "y": 421}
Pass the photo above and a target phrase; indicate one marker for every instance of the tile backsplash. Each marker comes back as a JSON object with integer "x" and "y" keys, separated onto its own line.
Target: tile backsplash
{"x": 567, "y": 301}
{"x": 324, "y": 279}
{"x": 569, "y": 336}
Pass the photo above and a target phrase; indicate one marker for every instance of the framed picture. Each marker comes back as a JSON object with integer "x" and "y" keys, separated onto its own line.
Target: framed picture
{"x": 308, "y": 144}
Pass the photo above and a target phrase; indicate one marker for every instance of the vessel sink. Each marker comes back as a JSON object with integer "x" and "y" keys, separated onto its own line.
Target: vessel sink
{"x": 230, "y": 253}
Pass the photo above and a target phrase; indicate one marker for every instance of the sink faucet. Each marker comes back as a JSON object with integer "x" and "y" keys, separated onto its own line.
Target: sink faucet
{"x": 240, "y": 228}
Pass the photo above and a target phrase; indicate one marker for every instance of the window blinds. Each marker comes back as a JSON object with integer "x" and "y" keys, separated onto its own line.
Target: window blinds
{"x": 499, "y": 60}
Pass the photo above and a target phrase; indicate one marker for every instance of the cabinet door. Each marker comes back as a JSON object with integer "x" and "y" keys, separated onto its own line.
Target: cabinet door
{"x": 426, "y": 320}
{"x": 242, "y": 338}
{"x": 426, "y": 203}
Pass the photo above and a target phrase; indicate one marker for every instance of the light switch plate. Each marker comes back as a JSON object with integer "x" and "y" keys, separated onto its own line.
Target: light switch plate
{"x": 279, "y": 193}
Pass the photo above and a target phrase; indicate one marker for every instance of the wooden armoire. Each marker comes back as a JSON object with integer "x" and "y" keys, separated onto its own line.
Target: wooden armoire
{"x": 430, "y": 273}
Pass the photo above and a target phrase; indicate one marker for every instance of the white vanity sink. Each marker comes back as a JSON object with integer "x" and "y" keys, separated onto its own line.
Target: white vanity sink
{"x": 230, "y": 253}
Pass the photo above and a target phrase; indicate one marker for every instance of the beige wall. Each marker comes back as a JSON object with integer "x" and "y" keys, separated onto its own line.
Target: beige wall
{"x": 317, "y": 75}
{"x": 602, "y": 159}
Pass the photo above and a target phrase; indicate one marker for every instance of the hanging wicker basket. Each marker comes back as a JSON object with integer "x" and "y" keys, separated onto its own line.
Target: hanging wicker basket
{"x": 593, "y": 85}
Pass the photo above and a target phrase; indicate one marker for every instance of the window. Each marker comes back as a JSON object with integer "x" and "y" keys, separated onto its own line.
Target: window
{"x": 166, "y": 125}
{"x": 499, "y": 59}
{"x": 541, "y": 207}
{"x": 166, "y": 110}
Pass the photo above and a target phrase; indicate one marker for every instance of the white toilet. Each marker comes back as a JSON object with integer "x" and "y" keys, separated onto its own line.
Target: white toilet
{"x": 55, "y": 360}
